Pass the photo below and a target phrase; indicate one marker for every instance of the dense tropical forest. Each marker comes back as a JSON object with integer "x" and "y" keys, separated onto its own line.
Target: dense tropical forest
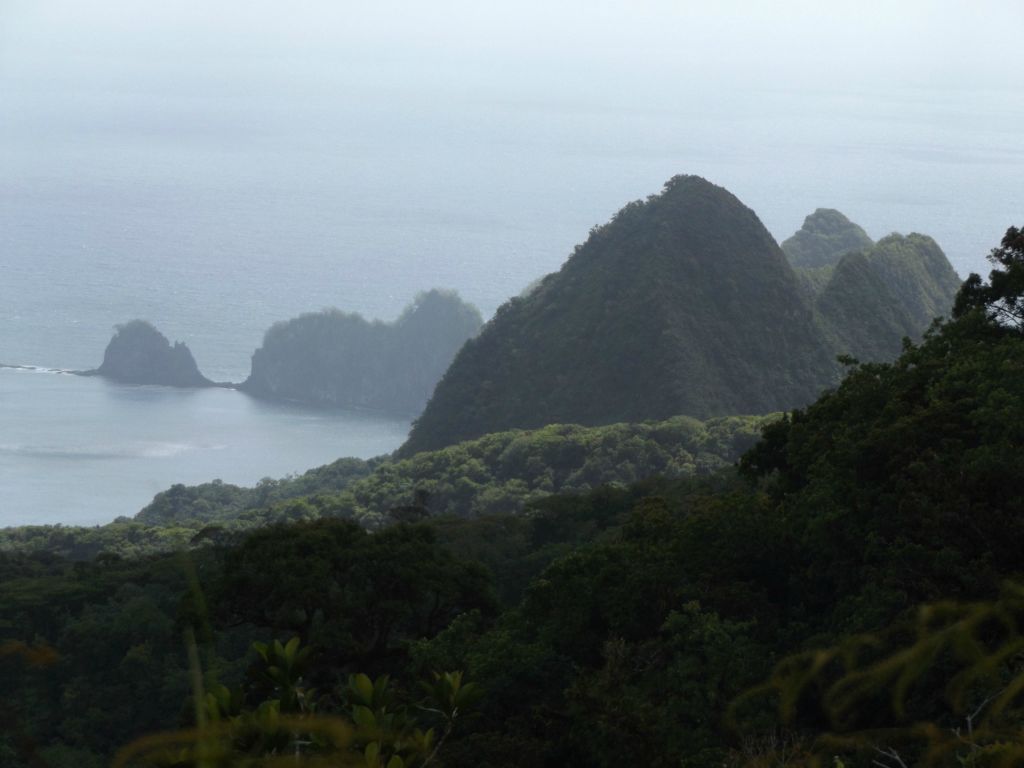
{"x": 835, "y": 585}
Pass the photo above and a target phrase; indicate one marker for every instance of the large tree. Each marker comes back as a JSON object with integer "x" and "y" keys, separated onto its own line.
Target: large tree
{"x": 1002, "y": 298}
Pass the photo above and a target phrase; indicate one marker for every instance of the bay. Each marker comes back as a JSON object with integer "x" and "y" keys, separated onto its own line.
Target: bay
{"x": 83, "y": 451}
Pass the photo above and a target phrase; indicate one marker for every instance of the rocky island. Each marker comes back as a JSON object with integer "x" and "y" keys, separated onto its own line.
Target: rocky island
{"x": 331, "y": 358}
{"x": 139, "y": 354}
{"x": 340, "y": 359}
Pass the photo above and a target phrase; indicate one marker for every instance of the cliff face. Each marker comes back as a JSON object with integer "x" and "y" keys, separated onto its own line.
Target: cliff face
{"x": 682, "y": 304}
{"x": 139, "y": 354}
{"x": 339, "y": 359}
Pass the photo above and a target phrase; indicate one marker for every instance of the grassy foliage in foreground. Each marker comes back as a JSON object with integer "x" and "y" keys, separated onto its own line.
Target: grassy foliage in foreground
{"x": 942, "y": 687}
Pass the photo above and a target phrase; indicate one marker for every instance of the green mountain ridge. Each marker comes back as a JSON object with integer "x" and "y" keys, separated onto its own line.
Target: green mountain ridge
{"x": 496, "y": 474}
{"x": 684, "y": 304}
{"x": 876, "y": 297}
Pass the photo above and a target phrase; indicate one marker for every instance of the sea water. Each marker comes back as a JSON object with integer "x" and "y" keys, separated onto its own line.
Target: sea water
{"x": 83, "y": 451}
{"x": 215, "y": 218}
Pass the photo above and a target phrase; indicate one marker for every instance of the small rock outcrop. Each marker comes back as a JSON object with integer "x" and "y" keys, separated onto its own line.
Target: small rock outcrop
{"x": 139, "y": 354}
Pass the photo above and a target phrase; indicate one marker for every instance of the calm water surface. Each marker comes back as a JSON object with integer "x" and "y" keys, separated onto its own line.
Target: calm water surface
{"x": 83, "y": 451}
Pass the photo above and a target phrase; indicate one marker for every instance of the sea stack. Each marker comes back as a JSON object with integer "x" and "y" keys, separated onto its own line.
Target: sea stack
{"x": 139, "y": 354}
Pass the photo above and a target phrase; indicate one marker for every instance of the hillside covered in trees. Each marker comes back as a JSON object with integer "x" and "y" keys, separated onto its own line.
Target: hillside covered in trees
{"x": 684, "y": 304}
{"x": 499, "y": 474}
{"x": 339, "y": 359}
{"x": 663, "y": 623}
{"x": 869, "y": 296}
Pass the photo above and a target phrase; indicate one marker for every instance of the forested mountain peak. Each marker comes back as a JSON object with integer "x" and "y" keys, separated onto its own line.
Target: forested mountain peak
{"x": 918, "y": 271}
{"x": 681, "y": 304}
{"x": 824, "y": 238}
{"x": 894, "y": 289}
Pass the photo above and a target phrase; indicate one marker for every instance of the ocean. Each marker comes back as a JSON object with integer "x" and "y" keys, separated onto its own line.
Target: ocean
{"x": 214, "y": 218}
{"x": 82, "y": 451}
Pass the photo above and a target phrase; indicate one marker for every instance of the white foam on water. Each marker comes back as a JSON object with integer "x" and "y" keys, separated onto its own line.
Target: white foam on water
{"x": 130, "y": 450}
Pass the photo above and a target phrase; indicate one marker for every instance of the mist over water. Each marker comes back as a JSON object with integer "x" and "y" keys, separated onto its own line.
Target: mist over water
{"x": 215, "y": 172}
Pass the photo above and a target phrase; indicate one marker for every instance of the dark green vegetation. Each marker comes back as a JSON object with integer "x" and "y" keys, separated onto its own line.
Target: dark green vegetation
{"x": 104, "y": 659}
{"x": 684, "y": 304}
{"x": 1002, "y": 298}
{"x": 496, "y": 474}
{"x": 966, "y": 644}
{"x": 139, "y": 354}
{"x": 869, "y": 296}
{"x": 338, "y": 359}
{"x": 875, "y": 297}
{"x": 825, "y": 236}
{"x": 623, "y": 626}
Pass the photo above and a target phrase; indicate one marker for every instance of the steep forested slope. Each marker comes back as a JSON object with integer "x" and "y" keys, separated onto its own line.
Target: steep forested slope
{"x": 682, "y": 304}
{"x": 892, "y": 290}
{"x": 903, "y": 485}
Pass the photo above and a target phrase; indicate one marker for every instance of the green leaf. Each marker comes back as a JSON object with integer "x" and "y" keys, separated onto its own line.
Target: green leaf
{"x": 363, "y": 686}
{"x": 372, "y": 754}
{"x": 363, "y": 717}
{"x": 380, "y": 686}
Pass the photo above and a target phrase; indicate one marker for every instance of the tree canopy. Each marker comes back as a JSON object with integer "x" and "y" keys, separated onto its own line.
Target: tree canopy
{"x": 1002, "y": 298}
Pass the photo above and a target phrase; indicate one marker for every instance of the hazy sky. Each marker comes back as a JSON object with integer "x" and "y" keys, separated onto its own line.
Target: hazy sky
{"x": 614, "y": 47}
{"x": 101, "y": 66}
